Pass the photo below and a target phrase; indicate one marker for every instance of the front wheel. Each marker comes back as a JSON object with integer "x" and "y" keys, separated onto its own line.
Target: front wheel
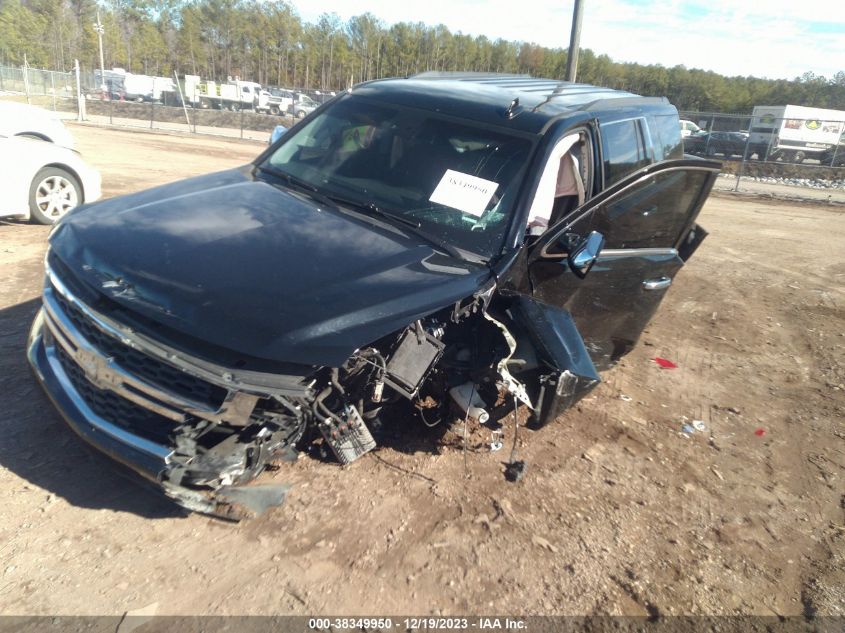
{"x": 300, "y": 114}
{"x": 799, "y": 156}
{"x": 274, "y": 110}
{"x": 52, "y": 194}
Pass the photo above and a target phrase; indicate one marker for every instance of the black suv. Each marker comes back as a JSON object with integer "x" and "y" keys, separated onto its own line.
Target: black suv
{"x": 711, "y": 143}
{"x": 427, "y": 249}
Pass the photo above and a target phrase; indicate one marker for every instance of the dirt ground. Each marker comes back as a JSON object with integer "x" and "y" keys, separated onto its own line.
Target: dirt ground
{"x": 619, "y": 511}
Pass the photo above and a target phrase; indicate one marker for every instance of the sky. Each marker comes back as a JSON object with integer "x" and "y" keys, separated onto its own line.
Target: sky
{"x": 765, "y": 38}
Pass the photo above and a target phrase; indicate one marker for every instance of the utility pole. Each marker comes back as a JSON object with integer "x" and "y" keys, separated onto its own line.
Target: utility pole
{"x": 80, "y": 100}
{"x": 574, "y": 41}
{"x": 26, "y": 77}
{"x": 98, "y": 26}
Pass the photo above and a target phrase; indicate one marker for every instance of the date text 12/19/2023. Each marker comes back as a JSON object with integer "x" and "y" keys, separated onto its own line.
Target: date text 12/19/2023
{"x": 479, "y": 623}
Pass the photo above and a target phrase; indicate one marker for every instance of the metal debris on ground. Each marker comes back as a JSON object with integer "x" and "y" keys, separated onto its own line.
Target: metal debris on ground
{"x": 625, "y": 398}
{"x": 698, "y": 425}
{"x": 496, "y": 441}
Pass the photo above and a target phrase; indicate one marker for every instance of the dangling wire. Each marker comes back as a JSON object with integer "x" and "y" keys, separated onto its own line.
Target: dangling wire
{"x": 515, "y": 430}
{"x": 430, "y": 425}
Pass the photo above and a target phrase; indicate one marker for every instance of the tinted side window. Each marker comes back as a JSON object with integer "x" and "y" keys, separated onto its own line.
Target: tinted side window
{"x": 622, "y": 149}
{"x": 666, "y": 135}
{"x": 651, "y": 214}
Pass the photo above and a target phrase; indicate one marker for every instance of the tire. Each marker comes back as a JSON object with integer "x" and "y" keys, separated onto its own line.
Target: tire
{"x": 234, "y": 107}
{"x": 711, "y": 151}
{"x": 300, "y": 114}
{"x": 274, "y": 110}
{"x": 799, "y": 156}
{"x": 52, "y": 194}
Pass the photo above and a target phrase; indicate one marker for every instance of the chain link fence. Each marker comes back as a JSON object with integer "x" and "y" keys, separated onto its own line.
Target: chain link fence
{"x": 36, "y": 82}
{"x": 104, "y": 102}
{"x": 772, "y": 145}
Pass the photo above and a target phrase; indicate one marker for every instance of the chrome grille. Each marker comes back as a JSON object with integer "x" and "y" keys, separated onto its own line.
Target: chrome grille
{"x": 110, "y": 406}
{"x": 140, "y": 364}
{"x": 113, "y": 358}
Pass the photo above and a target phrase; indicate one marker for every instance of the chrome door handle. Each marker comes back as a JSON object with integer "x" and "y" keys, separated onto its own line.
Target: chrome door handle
{"x": 657, "y": 284}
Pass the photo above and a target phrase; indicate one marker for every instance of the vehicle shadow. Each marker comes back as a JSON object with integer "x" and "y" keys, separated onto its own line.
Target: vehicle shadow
{"x": 37, "y": 446}
{"x": 405, "y": 430}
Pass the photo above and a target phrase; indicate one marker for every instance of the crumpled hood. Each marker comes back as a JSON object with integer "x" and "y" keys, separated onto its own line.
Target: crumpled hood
{"x": 253, "y": 268}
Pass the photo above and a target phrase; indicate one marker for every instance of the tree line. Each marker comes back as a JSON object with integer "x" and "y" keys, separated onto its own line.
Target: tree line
{"x": 268, "y": 42}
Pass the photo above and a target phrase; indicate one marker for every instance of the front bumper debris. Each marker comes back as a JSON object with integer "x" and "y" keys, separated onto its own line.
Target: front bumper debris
{"x": 75, "y": 377}
{"x": 131, "y": 417}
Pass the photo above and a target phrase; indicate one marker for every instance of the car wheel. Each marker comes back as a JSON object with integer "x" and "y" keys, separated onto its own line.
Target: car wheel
{"x": 300, "y": 114}
{"x": 274, "y": 110}
{"x": 711, "y": 151}
{"x": 799, "y": 157}
{"x": 52, "y": 194}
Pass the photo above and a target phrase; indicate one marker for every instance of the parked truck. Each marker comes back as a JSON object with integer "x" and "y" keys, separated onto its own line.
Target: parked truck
{"x": 276, "y": 101}
{"x": 794, "y": 133}
{"x": 233, "y": 95}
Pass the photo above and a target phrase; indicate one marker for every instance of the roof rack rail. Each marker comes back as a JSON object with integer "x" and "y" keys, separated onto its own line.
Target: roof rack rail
{"x": 541, "y": 87}
{"x": 462, "y": 75}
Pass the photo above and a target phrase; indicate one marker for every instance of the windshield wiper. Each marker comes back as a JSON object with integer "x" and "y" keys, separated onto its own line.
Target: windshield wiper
{"x": 368, "y": 208}
{"x": 301, "y": 185}
{"x": 416, "y": 227}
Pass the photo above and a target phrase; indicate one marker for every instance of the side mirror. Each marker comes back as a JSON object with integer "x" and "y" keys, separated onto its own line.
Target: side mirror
{"x": 585, "y": 254}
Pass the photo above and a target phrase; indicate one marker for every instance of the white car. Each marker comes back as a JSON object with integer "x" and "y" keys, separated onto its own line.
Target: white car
{"x": 20, "y": 119}
{"x": 42, "y": 181}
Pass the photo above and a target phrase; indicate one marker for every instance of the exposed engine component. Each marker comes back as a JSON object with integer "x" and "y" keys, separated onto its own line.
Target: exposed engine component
{"x": 416, "y": 353}
{"x": 347, "y": 435}
{"x": 466, "y": 396}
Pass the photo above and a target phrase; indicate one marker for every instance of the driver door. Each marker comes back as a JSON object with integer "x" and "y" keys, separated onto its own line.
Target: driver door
{"x": 648, "y": 222}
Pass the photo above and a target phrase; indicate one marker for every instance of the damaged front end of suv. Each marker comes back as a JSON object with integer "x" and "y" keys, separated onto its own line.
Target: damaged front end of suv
{"x": 371, "y": 267}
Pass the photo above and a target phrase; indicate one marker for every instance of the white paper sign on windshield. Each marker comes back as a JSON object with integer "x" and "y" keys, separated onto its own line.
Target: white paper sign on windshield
{"x": 466, "y": 193}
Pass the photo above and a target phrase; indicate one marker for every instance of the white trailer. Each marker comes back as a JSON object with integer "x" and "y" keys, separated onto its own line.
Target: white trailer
{"x": 794, "y": 133}
{"x": 138, "y": 87}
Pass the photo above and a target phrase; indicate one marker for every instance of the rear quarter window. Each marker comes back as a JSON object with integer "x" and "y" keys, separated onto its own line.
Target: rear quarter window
{"x": 623, "y": 149}
{"x": 666, "y": 136}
